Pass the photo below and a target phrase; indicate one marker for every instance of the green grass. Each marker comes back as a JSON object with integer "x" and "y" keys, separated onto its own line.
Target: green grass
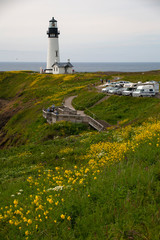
{"x": 116, "y": 201}
{"x": 29, "y": 93}
{"x": 141, "y": 77}
{"x": 122, "y": 203}
{"x": 120, "y": 108}
{"x": 87, "y": 99}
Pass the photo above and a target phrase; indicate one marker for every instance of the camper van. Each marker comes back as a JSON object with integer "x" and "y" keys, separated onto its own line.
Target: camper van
{"x": 144, "y": 91}
{"x": 154, "y": 84}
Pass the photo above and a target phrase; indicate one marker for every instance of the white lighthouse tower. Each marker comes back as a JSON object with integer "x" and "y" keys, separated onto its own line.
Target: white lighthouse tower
{"x": 53, "y": 59}
{"x": 53, "y": 45}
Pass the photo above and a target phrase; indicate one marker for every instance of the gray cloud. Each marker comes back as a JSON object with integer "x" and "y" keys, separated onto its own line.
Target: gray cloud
{"x": 154, "y": 2}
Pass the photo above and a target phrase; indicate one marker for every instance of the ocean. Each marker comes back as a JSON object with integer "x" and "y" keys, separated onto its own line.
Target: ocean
{"x": 86, "y": 66}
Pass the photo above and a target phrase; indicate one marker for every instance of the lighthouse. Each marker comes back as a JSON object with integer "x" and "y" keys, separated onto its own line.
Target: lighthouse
{"x": 53, "y": 45}
{"x": 53, "y": 58}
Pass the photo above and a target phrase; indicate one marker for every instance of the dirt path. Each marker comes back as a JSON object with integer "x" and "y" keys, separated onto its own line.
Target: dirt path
{"x": 3, "y": 103}
{"x": 103, "y": 99}
{"x": 68, "y": 103}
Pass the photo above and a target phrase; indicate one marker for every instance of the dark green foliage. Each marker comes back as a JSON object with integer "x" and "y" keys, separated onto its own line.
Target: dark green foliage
{"x": 64, "y": 129}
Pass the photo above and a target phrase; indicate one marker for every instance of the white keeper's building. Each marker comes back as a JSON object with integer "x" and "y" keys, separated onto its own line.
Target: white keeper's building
{"x": 53, "y": 57}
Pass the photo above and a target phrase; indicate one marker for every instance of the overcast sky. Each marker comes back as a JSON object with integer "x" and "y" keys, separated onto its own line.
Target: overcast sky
{"x": 90, "y": 30}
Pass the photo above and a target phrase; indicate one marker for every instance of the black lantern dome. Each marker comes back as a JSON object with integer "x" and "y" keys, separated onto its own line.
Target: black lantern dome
{"x": 53, "y": 29}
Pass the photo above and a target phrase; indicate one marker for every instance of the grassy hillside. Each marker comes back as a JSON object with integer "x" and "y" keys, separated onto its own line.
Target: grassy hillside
{"x": 123, "y": 109}
{"x": 66, "y": 181}
{"x": 28, "y": 94}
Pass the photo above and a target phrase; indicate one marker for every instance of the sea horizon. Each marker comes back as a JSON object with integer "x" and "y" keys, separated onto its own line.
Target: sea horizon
{"x": 84, "y": 66}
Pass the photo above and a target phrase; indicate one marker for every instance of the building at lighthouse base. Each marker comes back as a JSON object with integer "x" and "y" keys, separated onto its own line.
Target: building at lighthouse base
{"x": 62, "y": 68}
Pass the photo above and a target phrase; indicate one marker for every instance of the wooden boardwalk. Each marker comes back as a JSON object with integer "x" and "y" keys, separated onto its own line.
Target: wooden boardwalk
{"x": 68, "y": 103}
{"x": 68, "y": 113}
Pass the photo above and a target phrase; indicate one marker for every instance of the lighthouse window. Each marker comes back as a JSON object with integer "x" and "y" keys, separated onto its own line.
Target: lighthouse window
{"x": 56, "y": 53}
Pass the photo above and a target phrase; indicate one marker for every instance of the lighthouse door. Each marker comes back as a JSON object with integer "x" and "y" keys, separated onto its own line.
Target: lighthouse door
{"x": 66, "y": 68}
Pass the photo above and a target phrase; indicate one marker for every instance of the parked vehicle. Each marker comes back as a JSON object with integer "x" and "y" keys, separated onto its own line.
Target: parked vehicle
{"x": 144, "y": 91}
{"x": 128, "y": 91}
{"x": 120, "y": 90}
{"x": 122, "y": 83}
{"x": 154, "y": 84}
{"x": 114, "y": 90}
{"x": 106, "y": 89}
{"x": 127, "y": 88}
{"x": 130, "y": 85}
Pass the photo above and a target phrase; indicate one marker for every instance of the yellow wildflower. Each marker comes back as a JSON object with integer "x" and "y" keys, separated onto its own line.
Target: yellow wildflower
{"x": 15, "y": 202}
{"x": 10, "y": 221}
{"x": 62, "y": 216}
{"x": 16, "y": 223}
{"x": 50, "y": 200}
{"x": 29, "y": 221}
{"x": 27, "y": 233}
{"x": 69, "y": 218}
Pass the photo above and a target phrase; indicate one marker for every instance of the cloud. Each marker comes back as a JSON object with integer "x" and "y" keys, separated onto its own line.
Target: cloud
{"x": 115, "y": 24}
{"x": 154, "y": 2}
{"x": 7, "y": 4}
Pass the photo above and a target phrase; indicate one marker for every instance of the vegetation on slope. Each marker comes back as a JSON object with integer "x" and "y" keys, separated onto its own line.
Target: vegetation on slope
{"x": 67, "y": 183}
{"x": 124, "y": 109}
{"x": 28, "y": 94}
{"x": 108, "y": 191}
{"x": 87, "y": 99}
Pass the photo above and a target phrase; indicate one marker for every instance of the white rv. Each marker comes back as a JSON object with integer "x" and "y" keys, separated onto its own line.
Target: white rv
{"x": 155, "y": 85}
{"x": 144, "y": 91}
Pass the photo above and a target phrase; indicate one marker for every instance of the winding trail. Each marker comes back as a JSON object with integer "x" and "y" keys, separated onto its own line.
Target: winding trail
{"x": 68, "y": 103}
